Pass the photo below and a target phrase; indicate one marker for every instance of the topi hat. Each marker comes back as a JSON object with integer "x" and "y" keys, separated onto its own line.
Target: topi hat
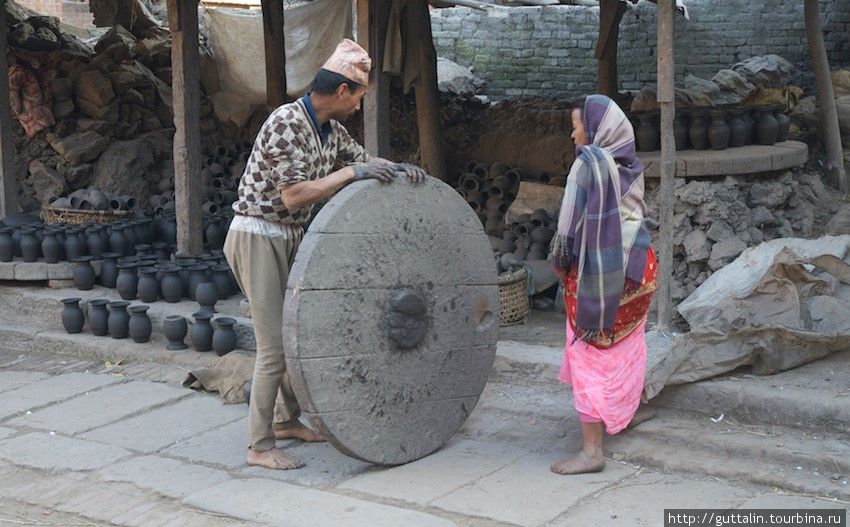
{"x": 351, "y": 61}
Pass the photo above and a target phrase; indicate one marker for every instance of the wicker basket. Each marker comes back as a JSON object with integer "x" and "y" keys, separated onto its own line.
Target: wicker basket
{"x": 52, "y": 215}
{"x": 513, "y": 297}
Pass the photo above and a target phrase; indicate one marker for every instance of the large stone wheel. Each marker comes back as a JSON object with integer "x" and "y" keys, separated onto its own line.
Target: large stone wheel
{"x": 391, "y": 318}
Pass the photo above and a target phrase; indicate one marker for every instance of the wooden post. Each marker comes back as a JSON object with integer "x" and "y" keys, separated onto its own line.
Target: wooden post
{"x": 8, "y": 185}
{"x": 667, "y": 101}
{"x": 275, "y": 48}
{"x": 428, "y": 113}
{"x": 835, "y": 173}
{"x": 610, "y": 14}
{"x": 372, "y": 19}
{"x": 185, "y": 60}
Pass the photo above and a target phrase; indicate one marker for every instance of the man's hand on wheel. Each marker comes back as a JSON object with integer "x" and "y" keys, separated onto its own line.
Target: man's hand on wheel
{"x": 413, "y": 172}
{"x": 381, "y": 171}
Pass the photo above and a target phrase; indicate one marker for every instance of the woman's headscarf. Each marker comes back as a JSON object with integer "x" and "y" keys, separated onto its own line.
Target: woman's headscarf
{"x": 600, "y": 231}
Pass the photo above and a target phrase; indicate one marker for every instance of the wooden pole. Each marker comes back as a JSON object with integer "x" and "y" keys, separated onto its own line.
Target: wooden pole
{"x": 275, "y": 48}
{"x": 667, "y": 101}
{"x": 185, "y": 60}
{"x": 610, "y": 14}
{"x": 372, "y": 17}
{"x": 835, "y": 173}
{"x": 8, "y": 185}
{"x": 428, "y": 115}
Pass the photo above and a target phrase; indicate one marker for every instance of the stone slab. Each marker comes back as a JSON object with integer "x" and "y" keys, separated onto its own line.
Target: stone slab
{"x": 51, "y": 390}
{"x": 157, "y": 429}
{"x": 525, "y": 492}
{"x": 459, "y": 463}
{"x": 749, "y": 159}
{"x": 98, "y": 408}
{"x": 48, "y": 451}
{"x": 642, "y": 498}
{"x": 6, "y": 432}
{"x": 277, "y": 503}
{"x": 326, "y": 466}
{"x": 9, "y": 380}
{"x": 785, "y": 501}
{"x": 224, "y": 446}
{"x": 30, "y": 271}
{"x": 7, "y": 270}
{"x": 165, "y": 476}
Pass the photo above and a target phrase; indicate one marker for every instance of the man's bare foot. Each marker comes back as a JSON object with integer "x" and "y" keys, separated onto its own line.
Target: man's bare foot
{"x": 275, "y": 459}
{"x": 644, "y": 413}
{"x": 580, "y": 463}
{"x": 301, "y": 432}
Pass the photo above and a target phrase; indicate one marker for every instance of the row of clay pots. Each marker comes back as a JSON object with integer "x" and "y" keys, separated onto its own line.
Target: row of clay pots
{"x": 94, "y": 199}
{"x": 122, "y": 320}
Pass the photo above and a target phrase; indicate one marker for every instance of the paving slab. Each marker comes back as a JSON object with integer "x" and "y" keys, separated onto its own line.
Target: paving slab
{"x": 525, "y": 492}
{"x": 101, "y": 407}
{"x": 165, "y": 476}
{"x": 784, "y": 501}
{"x": 51, "y": 390}
{"x": 460, "y": 462}
{"x": 325, "y": 466}
{"x": 279, "y": 503}
{"x": 54, "y": 452}
{"x": 9, "y": 380}
{"x": 224, "y": 447}
{"x": 163, "y": 427}
{"x": 640, "y": 500}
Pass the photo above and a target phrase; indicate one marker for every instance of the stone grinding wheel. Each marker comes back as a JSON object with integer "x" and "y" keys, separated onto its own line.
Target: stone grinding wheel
{"x": 391, "y": 318}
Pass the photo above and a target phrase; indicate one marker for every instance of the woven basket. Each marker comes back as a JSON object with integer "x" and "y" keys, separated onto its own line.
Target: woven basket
{"x": 513, "y": 298}
{"x": 52, "y": 215}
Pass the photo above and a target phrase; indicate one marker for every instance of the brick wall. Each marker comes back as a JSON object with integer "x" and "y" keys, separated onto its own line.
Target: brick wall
{"x": 71, "y": 12}
{"x": 549, "y": 50}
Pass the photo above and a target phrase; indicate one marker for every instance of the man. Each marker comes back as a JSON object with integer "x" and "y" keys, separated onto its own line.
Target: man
{"x": 290, "y": 168}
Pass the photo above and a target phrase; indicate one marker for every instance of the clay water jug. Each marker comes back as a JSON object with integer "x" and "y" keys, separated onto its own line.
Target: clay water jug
{"x": 74, "y": 245}
{"x": 118, "y": 321}
{"x": 170, "y": 285}
{"x": 202, "y": 331}
{"x": 127, "y": 281}
{"x": 783, "y": 121}
{"x": 73, "y": 317}
{"x": 698, "y": 130}
{"x": 147, "y": 288}
{"x": 215, "y": 233}
{"x": 98, "y": 317}
{"x": 117, "y": 239}
{"x": 84, "y": 275}
{"x": 30, "y": 246}
{"x": 109, "y": 269}
{"x": 94, "y": 242}
{"x": 680, "y": 130}
{"x": 222, "y": 280}
{"x": 766, "y": 126}
{"x": 175, "y": 328}
{"x": 206, "y": 294}
{"x": 50, "y": 247}
{"x": 718, "y": 130}
{"x": 197, "y": 274}
{"x": 224, "y": 336}
{"x": 7, "y": 245}
{"x": 737, "y": 127}
{"x": 139, "y": 325}
{"x": 647, "y": 133}
{"x": 132, "y": 239}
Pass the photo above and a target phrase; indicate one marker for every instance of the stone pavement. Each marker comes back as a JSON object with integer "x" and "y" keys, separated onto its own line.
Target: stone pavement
{"x": 97, "y": 431}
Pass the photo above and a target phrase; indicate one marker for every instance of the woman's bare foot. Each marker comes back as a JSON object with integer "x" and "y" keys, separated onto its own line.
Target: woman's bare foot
{"x": 644, "y": 413}
{"x": 275, "y": 459}
{"x": 580, "y": 463}
{"x": 301, "y": 432}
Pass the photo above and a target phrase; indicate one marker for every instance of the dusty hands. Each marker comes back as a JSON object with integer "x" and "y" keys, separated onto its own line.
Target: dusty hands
{"x": 413, "y": 172}
{"x": 381, "y": 171}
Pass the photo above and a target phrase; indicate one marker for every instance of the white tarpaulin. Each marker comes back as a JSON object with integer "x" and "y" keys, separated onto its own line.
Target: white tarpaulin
{"x": 311, "y": 33}
{"x": 777, "y": 306}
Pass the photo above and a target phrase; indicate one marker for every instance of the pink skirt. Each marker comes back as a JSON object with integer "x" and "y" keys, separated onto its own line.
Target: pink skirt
{"x": 607, "y": 383}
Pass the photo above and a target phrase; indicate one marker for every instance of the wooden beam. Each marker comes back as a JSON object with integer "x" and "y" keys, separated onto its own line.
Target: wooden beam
{"x": 428, "y": 114}
{"x": 666, "y": 98}
{"x": 372, "y": 20}
{"x": 185, "y": 61}
{"x": 275, "y": 48}
{"x": 835, "y": 173}
{"x": 8, "y": 185}
{"x": 610, "y": 14}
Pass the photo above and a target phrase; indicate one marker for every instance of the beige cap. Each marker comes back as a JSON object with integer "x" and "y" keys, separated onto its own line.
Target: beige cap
{"x": 351, "y": 61}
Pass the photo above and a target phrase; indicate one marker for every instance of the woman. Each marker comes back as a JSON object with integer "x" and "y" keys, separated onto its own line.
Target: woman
{"x": 602, "y": 252}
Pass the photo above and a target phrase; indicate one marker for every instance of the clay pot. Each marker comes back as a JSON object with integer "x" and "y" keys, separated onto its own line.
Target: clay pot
{"x": 30, "y": 246}
{"x": 51, "y": 249}
{"x": 718, "y": 130}
{"x": 118, "y": 321}
{"x": 170, "y": 285}
{"x": 647, "y": 133}
{"x": 109, "y": 269}
{"x": 98, "y": 199}
{"x": 206, "y": 294}
{"x": 221, "y": 278}
{"x": 117, "y": 240}
{"x": 147, "y": 286}
{"x": 224, "y": 336}
{"x": 7, "y": 245}
{"x": 766, "y": 126}
{"x": 175, "y": 328}
{"x": 214, "y": 233}
{"x": 783, "y": 121}
{"x": 98, "y": 317}
{"x": 84, "y": 275}
{"x": 737, "y": 127}
{"x": 94, "y": 241}
{"x": 127, "y": 281}
{"x": 680, "y": 130}
{"x": 73, "y": 317}
{"x": 698, "y": 130}
{"x": 197, "y": 274}
{"x": 139, "y": 325}
{"x": 202, "y": 331}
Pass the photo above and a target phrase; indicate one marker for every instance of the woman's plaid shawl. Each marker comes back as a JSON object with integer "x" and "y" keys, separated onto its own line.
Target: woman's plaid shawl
{"x": 600, "y": 231}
